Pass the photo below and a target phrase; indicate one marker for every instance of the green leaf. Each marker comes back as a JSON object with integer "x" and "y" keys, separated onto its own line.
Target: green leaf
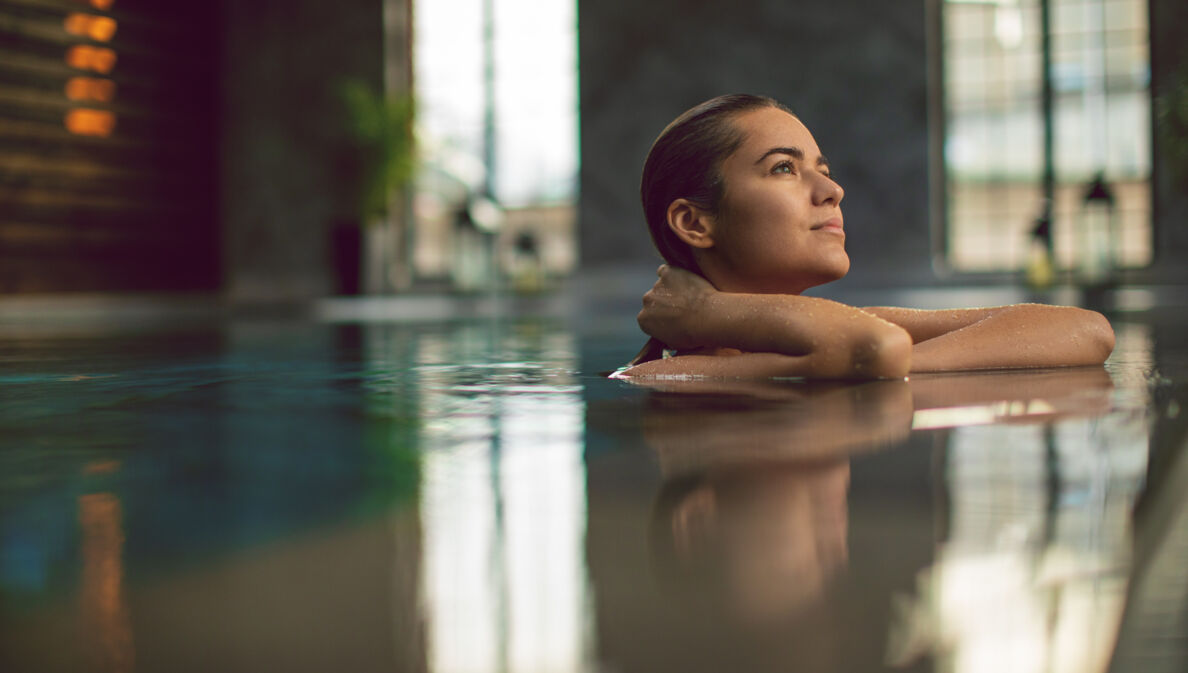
{"x": 381, "y": 132}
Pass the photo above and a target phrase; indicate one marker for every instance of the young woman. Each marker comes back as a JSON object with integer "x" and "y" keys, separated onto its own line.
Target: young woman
{"x": 740, "y": 202}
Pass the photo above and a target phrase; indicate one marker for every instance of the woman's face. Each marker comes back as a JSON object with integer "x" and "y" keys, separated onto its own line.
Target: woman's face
{"x": 779, "y": 224}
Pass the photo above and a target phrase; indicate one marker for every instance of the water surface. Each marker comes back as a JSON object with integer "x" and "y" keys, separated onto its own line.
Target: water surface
{"x": 476, "y": 496}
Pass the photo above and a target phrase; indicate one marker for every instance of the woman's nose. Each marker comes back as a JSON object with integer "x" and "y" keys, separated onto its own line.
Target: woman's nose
{"x": 826, "y": 191}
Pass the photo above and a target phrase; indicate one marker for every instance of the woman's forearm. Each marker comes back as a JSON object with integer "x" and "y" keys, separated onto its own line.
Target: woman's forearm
{"x": 892, "y": 362}
{"x": 835, "y": 340}
{"x": 1024, "y": 335}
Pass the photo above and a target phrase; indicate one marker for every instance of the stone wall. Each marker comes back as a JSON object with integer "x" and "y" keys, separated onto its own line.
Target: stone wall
{"x": 283, "y": 62}
{"x": 1169, "y": 56}
{"x": 854, "y": 71}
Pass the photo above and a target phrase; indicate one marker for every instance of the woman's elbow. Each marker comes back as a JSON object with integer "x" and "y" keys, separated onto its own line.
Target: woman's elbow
{"x": 883, "y": 354}
{"x": 1085, "y": 337}
{"x": 1100, "y": 335}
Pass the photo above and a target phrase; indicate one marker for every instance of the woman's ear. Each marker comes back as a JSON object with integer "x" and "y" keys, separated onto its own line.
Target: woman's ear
{"x": 691, "y": 223}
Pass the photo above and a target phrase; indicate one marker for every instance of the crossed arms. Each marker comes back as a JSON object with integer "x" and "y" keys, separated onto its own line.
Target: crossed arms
{"x": 770, "y": 335}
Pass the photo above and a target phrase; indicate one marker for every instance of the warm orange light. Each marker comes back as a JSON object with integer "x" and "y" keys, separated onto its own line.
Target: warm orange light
{"x": 76, "y": 24}
{"x": 84, "y": 122}
{"x": 98, "y": 59}
{"x": 102, "y": 467}
{"x": 103, "y": 5}
{"x": 105, "y": 625}
{"x": 98, "y": 28}
{"x": 90, "y": 88}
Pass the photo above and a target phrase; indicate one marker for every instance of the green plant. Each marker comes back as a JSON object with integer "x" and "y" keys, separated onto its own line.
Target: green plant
{"x": 381, "y": 130}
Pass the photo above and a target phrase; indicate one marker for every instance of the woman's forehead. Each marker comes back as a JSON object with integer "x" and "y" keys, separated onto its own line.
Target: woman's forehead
{"x": 770, "y": 127}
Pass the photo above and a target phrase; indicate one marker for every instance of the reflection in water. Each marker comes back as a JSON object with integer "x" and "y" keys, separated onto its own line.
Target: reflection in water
{"x": 1039, "y": 472}
{"x": 754, "y": 544}
{"x": 1010, "y": 397}
{"x": 1030, "y": 574}
{"x": 503, "y": 501}
{"x": 106, "y": 628}
{"x": 698, "y": 425}
{"x": 751, "y": 520}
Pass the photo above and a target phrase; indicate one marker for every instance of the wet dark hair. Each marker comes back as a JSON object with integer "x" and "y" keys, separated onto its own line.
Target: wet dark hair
{"x": 686, "y": 161}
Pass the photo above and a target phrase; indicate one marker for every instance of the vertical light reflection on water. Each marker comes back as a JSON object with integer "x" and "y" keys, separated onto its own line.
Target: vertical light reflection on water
{"x": 1032, "y": 573}
{"x": 544, "y": 490}
{"x": 105, "y": 624}
{"x": 1132, "y": 363}
{"x": 503, "y": 500}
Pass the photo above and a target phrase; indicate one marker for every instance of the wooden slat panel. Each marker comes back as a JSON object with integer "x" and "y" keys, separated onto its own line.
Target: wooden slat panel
{"x": 80, "y": 168}
{"x": 33, "y": 235}
{"x": 119, "y": 271}
{"x": 164, "y": 158}
{"x": 48, "y": 200}
{"x": 148, "y": 29}
{"x": 131, "y": 211}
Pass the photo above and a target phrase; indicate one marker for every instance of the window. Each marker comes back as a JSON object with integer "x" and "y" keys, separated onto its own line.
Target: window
{"x": 994, "y": 138}
{"x": 515, "y": 143}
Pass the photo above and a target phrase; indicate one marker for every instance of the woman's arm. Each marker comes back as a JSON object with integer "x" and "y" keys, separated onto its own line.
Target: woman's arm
{"x": 784, "y": 335}
{"x": 1003, "y": 337}
{"x": 890, "y": 362}
{"x": 684, "y": 310}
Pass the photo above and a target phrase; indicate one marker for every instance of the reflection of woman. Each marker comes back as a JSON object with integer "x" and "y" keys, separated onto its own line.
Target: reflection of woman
{"x": 700, "y": 425}
{"x": 751, "y": 520}
{"x": 758, "y": 544}
{"x": 741, "y": 204}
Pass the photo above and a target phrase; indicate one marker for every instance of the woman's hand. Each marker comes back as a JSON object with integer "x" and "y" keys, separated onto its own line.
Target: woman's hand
{"x": 672, "y": 307}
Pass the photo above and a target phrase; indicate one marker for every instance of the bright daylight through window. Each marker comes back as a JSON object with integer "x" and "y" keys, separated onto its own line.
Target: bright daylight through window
{"x": 496, "y": 88}
{"x": 994, "y": 137}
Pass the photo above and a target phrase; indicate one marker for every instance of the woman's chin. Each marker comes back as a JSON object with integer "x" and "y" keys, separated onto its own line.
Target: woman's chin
{"x": 834, "y": 271}
{"x": 843, "y": 268}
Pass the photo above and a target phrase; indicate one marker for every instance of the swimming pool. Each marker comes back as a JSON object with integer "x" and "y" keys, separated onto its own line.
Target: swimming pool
{"x": 473, "y": 495}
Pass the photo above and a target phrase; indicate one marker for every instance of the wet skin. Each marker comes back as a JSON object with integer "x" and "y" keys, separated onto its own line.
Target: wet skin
{"x": 778, "y": 231}
{"x": 779, "y": 226}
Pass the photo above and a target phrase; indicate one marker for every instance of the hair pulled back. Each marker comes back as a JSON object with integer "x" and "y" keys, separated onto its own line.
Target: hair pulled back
{"x": 685, "y": 163}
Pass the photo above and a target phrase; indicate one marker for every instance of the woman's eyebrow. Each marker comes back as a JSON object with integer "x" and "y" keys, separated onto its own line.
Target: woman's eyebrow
{"x": 794, "y": 152}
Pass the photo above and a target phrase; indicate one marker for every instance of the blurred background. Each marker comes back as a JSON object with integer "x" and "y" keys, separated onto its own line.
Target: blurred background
{"x": 290, "y": 151}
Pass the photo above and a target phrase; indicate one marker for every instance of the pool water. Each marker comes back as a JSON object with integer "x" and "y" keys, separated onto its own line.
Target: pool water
{"x": 474, "y": 495}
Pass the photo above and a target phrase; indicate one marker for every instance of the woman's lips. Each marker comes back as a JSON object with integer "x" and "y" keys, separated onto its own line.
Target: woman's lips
{"x": 833, "y": 224}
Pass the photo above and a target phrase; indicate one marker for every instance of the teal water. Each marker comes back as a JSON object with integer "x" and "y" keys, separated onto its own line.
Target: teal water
{"x": 476, "y": 495}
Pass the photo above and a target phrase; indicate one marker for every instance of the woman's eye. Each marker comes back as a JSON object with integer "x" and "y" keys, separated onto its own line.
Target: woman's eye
{"x": 784, "y": 167}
